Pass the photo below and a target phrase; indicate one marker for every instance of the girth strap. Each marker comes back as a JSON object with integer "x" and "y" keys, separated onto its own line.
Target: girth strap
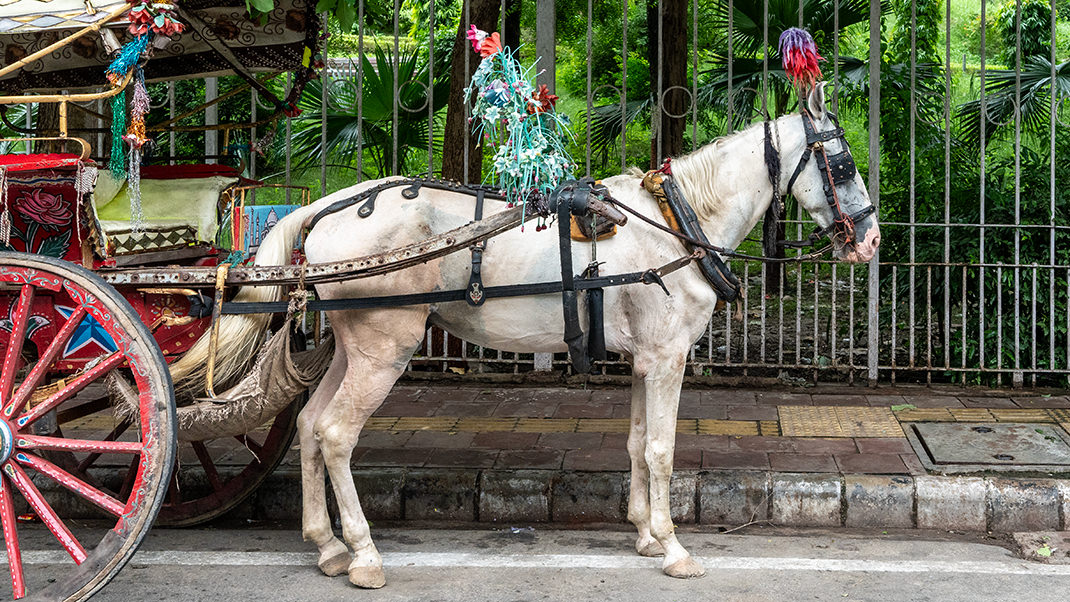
{"x": 577, "y": 350}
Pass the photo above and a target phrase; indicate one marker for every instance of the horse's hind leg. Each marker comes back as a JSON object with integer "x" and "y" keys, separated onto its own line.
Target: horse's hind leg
{"x": 316, "y": 524}
{"x": 639, "y": 491}
{"x": 378, "y": 346}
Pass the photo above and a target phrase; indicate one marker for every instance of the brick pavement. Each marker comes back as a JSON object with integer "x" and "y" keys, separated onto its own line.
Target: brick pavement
{"x": 718, "y": 429}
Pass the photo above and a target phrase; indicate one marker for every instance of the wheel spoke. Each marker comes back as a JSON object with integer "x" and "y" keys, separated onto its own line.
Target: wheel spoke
{"x": 77, "y": 445}
{"x": 19, "y": 318}
{"x": 45, "y": 512}
{"x": 72, "y": 388}
{"x": 71, "y": 482}
{"x": 25, "y": 390}
{"x": 206, "y": 463}
{"x": 11, "y": 540}
{"x": 253, "y": 446}
{"x": 93, "y": 457}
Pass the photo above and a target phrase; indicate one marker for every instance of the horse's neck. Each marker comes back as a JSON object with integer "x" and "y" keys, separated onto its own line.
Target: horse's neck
{"x": 728, "y": 181}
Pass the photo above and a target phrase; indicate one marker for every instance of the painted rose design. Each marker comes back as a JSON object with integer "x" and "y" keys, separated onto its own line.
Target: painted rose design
{"x": 49, "y": 210}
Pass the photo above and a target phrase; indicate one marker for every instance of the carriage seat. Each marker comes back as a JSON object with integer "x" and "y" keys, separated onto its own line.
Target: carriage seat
{"x": 180, "y": 204}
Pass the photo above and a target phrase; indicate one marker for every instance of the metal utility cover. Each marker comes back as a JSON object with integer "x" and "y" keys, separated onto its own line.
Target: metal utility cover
{"x": 992, "y": 445}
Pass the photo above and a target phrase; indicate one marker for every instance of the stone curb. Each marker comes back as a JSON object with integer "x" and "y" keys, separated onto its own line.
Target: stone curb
{"x": 954, "y": 503}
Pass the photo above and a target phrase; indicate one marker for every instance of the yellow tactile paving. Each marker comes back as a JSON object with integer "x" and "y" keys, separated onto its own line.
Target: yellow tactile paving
{"x": 1060, "y": 414}
{"x": 727, "y": 427}
{"x": 1020, "y": 415}
{"x": 425, "y": 423}
{"x": 838, "y": 421}
{"x": 486, "y": 425}
{"x": 925, "y": 415}
{"x": 547, "y": 425}
{"x": 971, "y": 414}
{"x": 769, "y": 428}
{"x": 602, "y": 425}
{"x": 376, "y": 423}
{"x": 687, "y": 426}
{"x": 1066, "y": 426}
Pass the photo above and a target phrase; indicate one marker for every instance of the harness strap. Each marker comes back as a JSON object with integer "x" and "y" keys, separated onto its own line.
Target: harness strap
{"x": 577, "y": 351}
{"x": 474, "y": 292}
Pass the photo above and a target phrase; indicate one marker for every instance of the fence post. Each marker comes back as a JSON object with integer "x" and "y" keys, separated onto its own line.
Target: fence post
{"x": 211, "y": 117}
{"x": 873, "y": 354}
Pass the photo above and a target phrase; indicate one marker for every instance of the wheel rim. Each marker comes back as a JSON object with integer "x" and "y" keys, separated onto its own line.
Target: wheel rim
{"x": 36, "y": 445}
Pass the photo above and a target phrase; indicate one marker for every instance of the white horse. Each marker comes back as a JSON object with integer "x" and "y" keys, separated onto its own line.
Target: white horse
{"x": 726, "y": 182}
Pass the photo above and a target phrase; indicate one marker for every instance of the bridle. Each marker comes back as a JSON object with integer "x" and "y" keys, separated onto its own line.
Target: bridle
{"x": 836, "y": 169}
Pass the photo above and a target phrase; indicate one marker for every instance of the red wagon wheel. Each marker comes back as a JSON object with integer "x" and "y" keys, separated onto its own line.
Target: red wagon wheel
{"x": 30, "y": 431}
{"x": 213, "y": 477}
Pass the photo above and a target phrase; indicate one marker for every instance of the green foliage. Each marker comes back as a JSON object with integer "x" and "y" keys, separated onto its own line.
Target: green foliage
{"x": 360, "y": 116}
{"x": 1035, "y": 27}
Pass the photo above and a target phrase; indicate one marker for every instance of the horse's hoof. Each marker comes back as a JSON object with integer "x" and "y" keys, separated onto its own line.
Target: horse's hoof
{"x": 650, "y": 549}
{"x": 367, "y": 577}
{"x": 336, "y": 565}
{"x": 685, "y": 568}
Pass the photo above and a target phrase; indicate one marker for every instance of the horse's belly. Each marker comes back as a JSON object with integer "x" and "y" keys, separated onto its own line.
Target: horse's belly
{"x": 520, "y": 325}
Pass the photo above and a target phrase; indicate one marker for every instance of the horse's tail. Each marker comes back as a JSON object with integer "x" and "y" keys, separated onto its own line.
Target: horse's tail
{"x": 241, "y": 335}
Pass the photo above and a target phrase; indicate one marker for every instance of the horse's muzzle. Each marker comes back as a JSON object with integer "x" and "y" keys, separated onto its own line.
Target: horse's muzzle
{"x": 864, "y": 250}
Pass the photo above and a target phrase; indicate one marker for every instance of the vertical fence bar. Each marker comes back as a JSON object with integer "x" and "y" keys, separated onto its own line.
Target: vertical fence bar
{"x": 947, "y": 186}
{"x": 1051, "y": 206}
{"x": 211, "y": 117}
{"x": 981, "y": 193}
{"x": 360, "y": 91}
{"x": 396, "y": 96}
{"x": 590, "y": 85}
{"x": 731, "y": 58}
{"x": 1017, "y": 377}
{"x": 624, "y": 87}
{"x": 431, "y": 90}
{"x": 911, "y": 300}
{"x": 325, "y": 91}
{"x": 171, "y": 115}
{"x": 874, "y": 183}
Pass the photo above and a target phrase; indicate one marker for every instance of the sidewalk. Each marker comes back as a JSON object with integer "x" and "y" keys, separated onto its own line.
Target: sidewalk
{"x": 824, "y": 456}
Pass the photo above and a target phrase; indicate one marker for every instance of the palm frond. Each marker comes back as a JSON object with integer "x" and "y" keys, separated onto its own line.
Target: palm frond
{"x": 1001, "y": 100}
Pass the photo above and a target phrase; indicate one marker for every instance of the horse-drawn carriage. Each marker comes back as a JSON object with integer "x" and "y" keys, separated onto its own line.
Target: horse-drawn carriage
{"x": 114, "y": 286}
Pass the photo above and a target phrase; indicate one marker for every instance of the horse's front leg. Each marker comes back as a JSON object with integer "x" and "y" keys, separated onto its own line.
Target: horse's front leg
{"x": 662, "y": 378}
{"x": 639, "y": 492}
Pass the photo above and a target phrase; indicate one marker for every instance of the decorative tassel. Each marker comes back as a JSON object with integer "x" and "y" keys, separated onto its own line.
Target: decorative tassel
{"x": 117, "y": 163}
{"x": 137, "y": 218}
{"x": 127, "y": 59}
{"x": 798, "y": 52}
{"x": 5, "y": 217}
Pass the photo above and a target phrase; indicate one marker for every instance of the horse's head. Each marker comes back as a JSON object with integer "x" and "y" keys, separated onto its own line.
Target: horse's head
{"x": 826, "y": 182}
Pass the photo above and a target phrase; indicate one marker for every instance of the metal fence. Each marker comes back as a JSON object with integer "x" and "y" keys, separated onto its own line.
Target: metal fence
{"x": 969, "y": 286}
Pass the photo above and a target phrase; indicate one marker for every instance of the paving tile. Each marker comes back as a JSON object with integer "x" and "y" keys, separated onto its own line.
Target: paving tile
{"x": 439, "y": 439}
{"x": 621, "y": 411}
{"x": 612, "y": 396}
{"x": 615, "y": 441}
{"x": 603, "y": 425}
{"x": 971, "y": 414}
{"x": 685, "y": 459}
{"x": 504, "y": 395}
{"x": 735, "y": 460}
{"x": 729, "y": 397}
{"x": 596, "y": 459}
{"x": 502, "y": 440}
{"x": 425, "y": 423}
{"x": 802, "y": 462}
{"x": 383, "y": 439}
{"x": 988, "y": 402}
{"x": 933, "y": 401}
{"x": 405, "y": 393}
{"x": 583, "y": 410}
{"x": 466, "y": 409}
{"x": 754, "y": 412}
{"x": 764, "y": 444}
{"x": 883, "y": 446}
{"x": 547, "y": 425}
{"x": 925, "y": 415}
{"x": 443, "y": 394}
{"x": 587, "y": 441}
{"x": 684, "y": 441}
{"x": 1021, "y": 415}
{"x": 783, "y": 399}
{"x": 395, "y": 457}
{"x": 704, "y": 410}
{"x": 728, "y": 427}
{"x": 560, "y": 395}
{"x": 488, "y": 424}
{"x": 406, "y": 408}
{"x": 913, "y": 464}
{"x": 838, "y": 421}
{"x": 531, "y": 409}
{"x": 462, "y": 458}
{"x": 1054, "y": 401}
{"x": 806, "y": 445}
{"x": 769, "y": 428}
{"x": 839, "y": 400}
{"x": 871, "y": 463}
{"x": 530, "y": 458}
{"x": 886, "y": 400}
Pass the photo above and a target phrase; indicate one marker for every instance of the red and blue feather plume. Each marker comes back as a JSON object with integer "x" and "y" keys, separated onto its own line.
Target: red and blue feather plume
{"x": 800, "y": 57}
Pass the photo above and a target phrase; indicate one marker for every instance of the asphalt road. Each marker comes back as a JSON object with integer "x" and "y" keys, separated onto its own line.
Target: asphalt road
{"x": 521, "y": 564}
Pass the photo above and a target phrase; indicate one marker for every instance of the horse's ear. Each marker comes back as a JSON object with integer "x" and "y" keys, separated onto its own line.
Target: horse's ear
{"x": 816, "y": 101}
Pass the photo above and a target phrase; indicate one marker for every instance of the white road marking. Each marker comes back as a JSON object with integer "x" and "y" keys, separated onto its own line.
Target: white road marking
{"x": 575, "y": 561}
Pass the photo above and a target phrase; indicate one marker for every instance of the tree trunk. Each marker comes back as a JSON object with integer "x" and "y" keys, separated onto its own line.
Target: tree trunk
{"x": 484, "y": 15}
{"x": 671, "y": 58}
